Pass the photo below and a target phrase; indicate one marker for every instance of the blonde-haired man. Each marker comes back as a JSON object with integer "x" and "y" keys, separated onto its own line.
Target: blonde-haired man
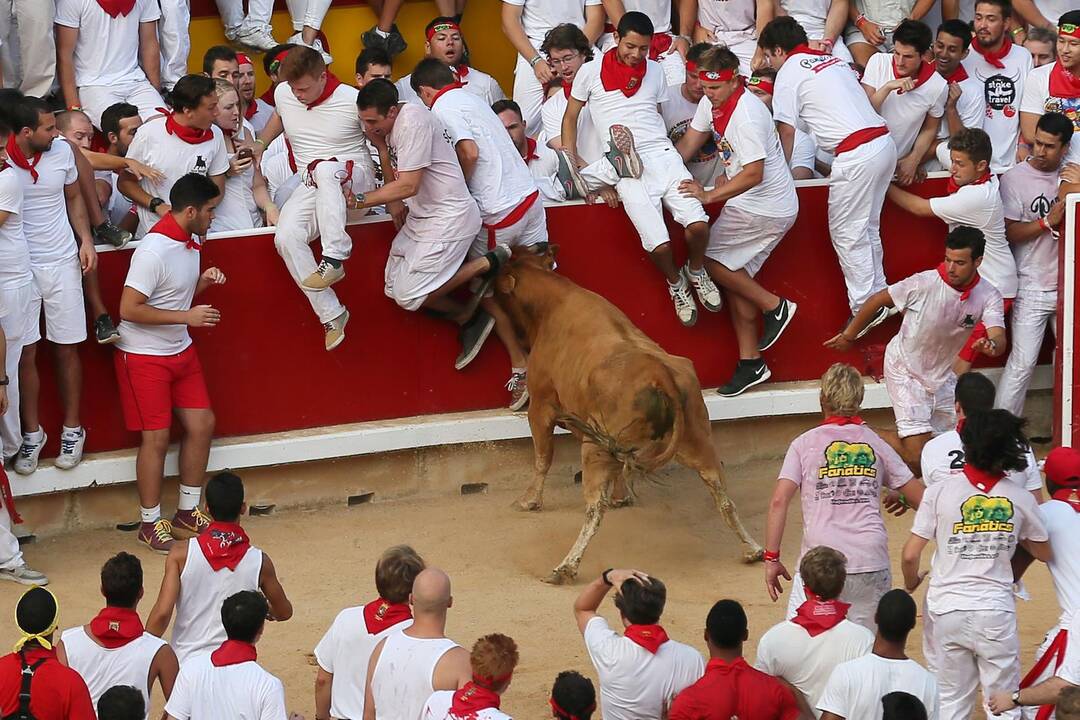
{"x": 839, "y": 468}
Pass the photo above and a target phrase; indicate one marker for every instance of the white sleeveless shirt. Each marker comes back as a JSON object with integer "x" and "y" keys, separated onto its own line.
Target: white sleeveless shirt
{"x": 402, "y": 681}
{"x": 197, "y": 628}
{"x": 103, "y": 668}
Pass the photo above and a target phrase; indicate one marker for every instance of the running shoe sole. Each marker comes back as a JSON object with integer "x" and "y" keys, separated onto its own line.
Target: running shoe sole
{"x": 521, "y": 402}
{"x": 570, "y": 179}
{"x": 622, "y": 140}
{"x": 764, "y": 376}
{"x": 463, "y": 361}
{"x": 791, "y": 315}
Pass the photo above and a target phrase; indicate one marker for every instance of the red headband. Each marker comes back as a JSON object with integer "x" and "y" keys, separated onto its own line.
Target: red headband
{"x": 566, "y": 714}
{"x": 717, "y": 75}
{"x": 1069, "y": 29}
{"x": 762, "y": 84}
{"x": 442, "y": 27}
{"x": 277, "y": 60}
{"x": 243, "y": 59}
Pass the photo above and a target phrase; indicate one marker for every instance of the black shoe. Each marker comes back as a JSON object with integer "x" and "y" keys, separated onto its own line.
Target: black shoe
{"x": 395, "y": 42}
{"x": 109, "y": 234}
{"x": 372, "y": 39}
{"x": 748, "y": 373}
{"x": 879, "y": 317}
{"x": 776, "y": 322}
{"x": 104, "y": 331}
{"x": 472, "y": 336}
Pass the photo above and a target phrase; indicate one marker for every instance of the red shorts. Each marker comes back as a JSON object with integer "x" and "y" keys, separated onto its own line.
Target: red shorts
{"x": 967, "y": 352}
{"x": 152, "y": 385}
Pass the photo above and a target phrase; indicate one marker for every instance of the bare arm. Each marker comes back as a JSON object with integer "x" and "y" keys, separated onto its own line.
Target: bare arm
{"x": 453, "y": 670}
{"x": 467, "y": 154}
{"x": 1021, "y": 561}
{"x": 280, "y": 607}
{"x": 787, "y": 139}
{"x": 589, "y": 601}
{"x": 1031, "y": 14}
{"x": 66, "y": 37}
{"x": 134, "y": 308}
{"x": 150, "y": 52}
{"x": 369, "y": 699}
{"x": 870, "y": 308}
{"x": 800, "y": 700}
{"x": 921, "y": 8}
{"x": 687, "y": 12}
{"x": 404, "y": 186}
{"x": 1038, "y": 550}
{"x": 774, "y": 534}
{"x": 913, "y": 491}
{"x": 910, "y": 202}
{"x": 1028, "y": 123}
{"x": 614, "y": 9}
{"x": 160, "y": 615}
{"x": 594, "y": 22}
{"x": 324, "y": 684}
{"x": 950, "y": 9}
{"x": 269, "y": 133}
{"x": 910, "y": 558}
{"x": 691, "y": 141}
{"x": 750, "y": 176}
{"x": 164, "y": 669}
{"x": 569, "y": 126}
{"x": 836, "y": 19}
{"x": 130, "y": 188}
{"x": 80, "y": 223}
{"x": 831, "y": 716}
{"x": 515, "y": 31}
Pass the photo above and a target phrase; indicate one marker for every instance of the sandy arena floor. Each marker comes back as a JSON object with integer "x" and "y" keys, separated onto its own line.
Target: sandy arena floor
{"x": 496, "y": 558}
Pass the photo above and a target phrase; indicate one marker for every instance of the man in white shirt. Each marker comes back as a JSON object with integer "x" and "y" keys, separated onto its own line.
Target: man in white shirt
{"x": 493, "y": 659}
{"x": 820, "y": 94}
{"x": 760, "y": 206}
{"x": 803, "y": 160}
{"x": 622, "y": 90}
{"x": 541, "y": 160}
{"x": 344, "y": 651}
{"x": 667, "y": 48}
{"x": 736, "y": 24}
{"x": 679, "y": 109}
{"x": 1066, "y": 676}
{"x": 525, "y": 23}
{"x": 445, "y": 42}
{"x": 119, "y": 123}
{"x": 804, "y": 650}
{"x": 228, "y": 682}
{"x": 256, "y": 110}
{"x": 965, "y": 105}
{"x": 978, "y": 522}
{"x": 1054, "y": 87}
{"x": 642, "y": 670}
{"x": 855, "y": 688}
{"x": 107, "y": 52}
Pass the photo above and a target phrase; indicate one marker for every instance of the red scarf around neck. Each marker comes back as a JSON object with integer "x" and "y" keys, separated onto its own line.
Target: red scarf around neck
{"x": 233, "y": 652}
{"x": 332, "y": 84}
{"x": 723, "y": 667}
{"x": 471, "y": 699}
{"x": 1063, "y": 84}
{"x": 443, "y": 90}
{"x": 721, "y": 116}
{"x": 168, "y": 227}
{"x": 843, "y": 420}
{"x": 808, "y": 50}
{"x": 530, "y": 150}
{"x": 614, "y": 75}
{"x": 994, "y": 58}
{"x": 981, "y": 479}
{"x": 382, "y": 614}
{"x": 965, "y": 291}
{"x": 224, "y": 545}
{"x": 251, "y": 109}
{"x": 115, "y": 627}
{"x": 115, "y": 8}
{"x": 952, "y": 188}
{"x": 816, "y": 616}
{"x": 650, "y": 637}
{"x": 268, "y": 96}
{"x": 926, "y": 71}
{"x": 959, "y": 75}
{"x": 566, "y": 88}
{"x": 190, "y": 135}
{"x": 18, "y": 159}
{"x": 461, "y": 70}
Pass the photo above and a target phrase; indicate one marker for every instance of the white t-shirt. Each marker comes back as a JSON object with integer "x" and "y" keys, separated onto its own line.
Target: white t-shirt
{"x": 1027, "y": 194}
{"x": 803, "y": 152}
{"x": 821, "y": 95}
{"x": 1070, "y": 665}
{"x": 943, "y": 459}
{"x": 937, "y": 322}
{"x": 174, "y": 158}
{"x": 677, "y": 113}
{"x": 539, "y": 16}
{"x": 500, "y": 180}
{"x": 634, "y": 683}
{"x": 45, "y": 220}
{"x": 330, "y": 129}
{"x": 107, "y": 51}
{"x": 751, "y": 136}
{"x": 855, "y": 688}
{"x": 1063, "y": 526}
{"x": 979, "y": 206}
{"x": 971, "y": 107}
{"x": 1037, "y": 100}
{"x": 728, "y": 16}
{"x": 590, "y": 146}
{"x": 637, "y": 112}
{"x": 1002, "y": 90}
{"x": 14, "y": 254}
{"x": 438, "y": 708}
{"x": 976, "y": 533}
{"x": 787, "y": 651}
{"x": 477, "y": 82}
{"x": 442, "y": 208}
{"x": 244, "y": 690}
{"x": 905, "y": 113}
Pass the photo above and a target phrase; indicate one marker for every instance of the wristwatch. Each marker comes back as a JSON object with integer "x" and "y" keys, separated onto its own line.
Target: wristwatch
{"x": 5, "y": 381}
{"x": 1015, "y": 697}
{"x": 155, "y": 203}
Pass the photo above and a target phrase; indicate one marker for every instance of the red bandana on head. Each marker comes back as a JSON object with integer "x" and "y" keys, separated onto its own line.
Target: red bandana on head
{"x": 981, "y": 479}
{"x": 951, "y": 187}
{"x": 332, "y": 84}
{"x": 843, "y": 420}
{"x": 994, "y": 58}
{"x": 763, "y": 84}
{"x": 443, "y": 90}
{"x": 650, "y": 637}
{"x": 1063, "y": 84}
{"x": 965, "y": 291}
{"x": 224, "y": 545}
{"x": 959, "y": 75}
{"x": 926, "y": 71}
{"x": 233, "y": 652}
{"x": 168, "y": 227}
{"x": 471, "y": 699}
{"x": 190, "y": 135}
{"x": 115, "y": 8}
{"x": 721, "y": 116}
{"x": 566, "y": 714}
{"x": 448, "y": 26}
{"x": 382, "y": 614}
{"x": 115, "y": 627}
{"x": 243, "y": 59}
{"x": 614, "y": 75}
{"x": 816, "y": 616}
{"x": 530, "y": 150}
{"x": 15, "y": 155}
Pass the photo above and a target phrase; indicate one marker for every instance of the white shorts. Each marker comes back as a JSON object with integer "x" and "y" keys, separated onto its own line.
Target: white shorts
{"x": 530, "y": 230}
{"x": 58, "y": 292}
{"x": 741, "y": 240}
{"x": 918, "y": 410}
{"x": 17, "y": 316}
{"x": 96, "y": 99}
{"x": 862, "y": 590}
{"x": 415, "y": 269}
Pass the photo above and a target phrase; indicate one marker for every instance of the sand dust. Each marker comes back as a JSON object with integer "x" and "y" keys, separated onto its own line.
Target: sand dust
{"x": 496, "y": 557}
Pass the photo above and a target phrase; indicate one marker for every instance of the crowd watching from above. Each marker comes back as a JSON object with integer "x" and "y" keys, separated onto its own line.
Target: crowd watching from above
{"x": 646, "y": 106}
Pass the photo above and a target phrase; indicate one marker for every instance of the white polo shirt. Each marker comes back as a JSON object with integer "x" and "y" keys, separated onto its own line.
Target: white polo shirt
{"x": 1003, "y": 89}
{"x": 14, "y": 254}
{"x": 540, "y": 16}
{"x": 905, "y": 113}
{"x": 1063, "y": 526}
{"x": 244, "y": 690}
{"x": 855, "y": 688}
{"x": 1037, "y": 100}
{"x": 979, "y": 206}
{"x": 590, "y": 146}
{"x": 677, "y": 113}
{"x": 637, "y": 112}
{"x": 1027, "y": 194}
{"x": 477, "y": 82}
{"x": 107, "y": 50}
{"x": 943, "y": 459}
{"x": 45, "y": 219}
{"x": 330, "y": 129}
{"x": 438, "y": 708}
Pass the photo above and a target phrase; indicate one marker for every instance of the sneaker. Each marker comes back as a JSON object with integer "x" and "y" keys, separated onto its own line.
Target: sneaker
{"x": 497, "y": 256}
{"x": 71, "y": 448}
{"x": 472, "y": 336}
{"x": 519, "y": 391}
{"x": 748, "y": 373}
{"x": 705, "y": 289}
{"x": 26, "y": 462}
{"x": 370, "y": 38}
{"x": 776, "y": 322}
{"x": 879, "y": 317}
{"x": 110, "y": 234}
{"x": 192, "y": 521}
{"x": 335, "y": 330}
{"x": 569, "y": 178}
{"x": 315, "y": 44}
{"x": 157, "y": 535}
{"x": 685, "y": 307}
{"x": 24, "y": 576}
{"x": 621, "y": 153}
{"x": 395, "y": 43}
{"x": 104, "y": 331}
{"x": 231, "y": 34}
{"x": 257, "y": 37}
{"x": 324, "y": 276}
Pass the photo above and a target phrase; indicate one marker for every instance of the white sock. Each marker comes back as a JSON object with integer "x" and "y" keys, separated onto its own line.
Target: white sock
{"x": 73, "y": 430}
{"x": 382, "y": 33}
{"x": 189, "y": 497}
{"x": 36, "y": 436}
{"x": 150, "y": 515}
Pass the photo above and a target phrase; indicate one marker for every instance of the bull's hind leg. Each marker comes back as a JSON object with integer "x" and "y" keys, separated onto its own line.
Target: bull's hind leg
{"x": 599, "y": 473}
{"x": 542, "y": 428}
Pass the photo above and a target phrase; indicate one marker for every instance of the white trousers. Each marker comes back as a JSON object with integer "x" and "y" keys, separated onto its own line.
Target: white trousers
{"x": 1031, "y": 313}
{"x": 32, "y": 55}
{"x": 20, "y": 329}
{"x": 232, "y": 13}
{"x": 308, "y": 13}
{"x": 175, "y": 40}
{"x": 96, "y": 99}
{"x": 857, "y": 188}
{"x": 529, "y": 95}
{"x": 862, "y": 590}
{"x": 11, "y": 556}
{"x": 975, "y": 647}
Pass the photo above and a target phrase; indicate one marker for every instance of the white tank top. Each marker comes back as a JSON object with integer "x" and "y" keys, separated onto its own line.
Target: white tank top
{"x": 402, "y": 682}
{"x": 197, "y": 628}
{"x": 103, "y": 668}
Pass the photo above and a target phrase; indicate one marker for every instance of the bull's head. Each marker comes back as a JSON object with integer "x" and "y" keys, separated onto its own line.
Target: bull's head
{"x": 536, "y": 257}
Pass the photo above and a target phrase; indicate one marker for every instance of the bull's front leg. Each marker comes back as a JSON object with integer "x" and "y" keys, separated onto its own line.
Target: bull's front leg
{"x": 599, "y": 473}
{"x": 542, "y": 427}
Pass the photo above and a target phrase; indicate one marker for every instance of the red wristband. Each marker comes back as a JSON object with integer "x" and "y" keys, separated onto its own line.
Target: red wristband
{"x": 770, "y": 556}
{"x": 1045, "y": 225}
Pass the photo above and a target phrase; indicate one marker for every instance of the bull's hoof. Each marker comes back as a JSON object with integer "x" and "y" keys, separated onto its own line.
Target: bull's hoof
{"x": 622, "y": 502}
{"x": 558, "y": 577}
{"x": 524, "y": 505}
{"x": 753, "y": 556}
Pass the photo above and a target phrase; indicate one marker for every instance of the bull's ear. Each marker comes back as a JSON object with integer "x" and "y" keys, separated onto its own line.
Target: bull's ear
{"x": 549, "y": 256}
{"x": 504, "y": 284}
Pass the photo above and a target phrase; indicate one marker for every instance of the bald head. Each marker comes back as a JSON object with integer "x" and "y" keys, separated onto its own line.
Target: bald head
{"x": 431, "y": 592}
{"x": 76, "y": 127}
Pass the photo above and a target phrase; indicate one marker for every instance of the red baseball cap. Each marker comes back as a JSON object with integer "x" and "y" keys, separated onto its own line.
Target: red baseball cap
{"x": 1062, "y": 467}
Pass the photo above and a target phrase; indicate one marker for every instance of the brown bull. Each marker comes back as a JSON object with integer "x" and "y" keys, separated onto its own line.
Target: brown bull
{"x": 634, "y": 407}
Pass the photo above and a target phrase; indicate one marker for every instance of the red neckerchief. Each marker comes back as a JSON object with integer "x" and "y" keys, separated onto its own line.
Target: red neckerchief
{"x": 959, "y": 75}
{"x": 843, "y": 420}
{"x": 721, "y": 116}
{"x": 382, "y": 614}
{"x": 15, "y": 154}
{"x": 168, "y": 227}
{"x": 614, "y": 75}
{"x": 445, "y": 89}
{"x": 233, "y": 652}
{"x": 332, "y": 84}
{"x": 981, "y": 479}
{"x": 1070, "y": 496}
{"x": 224, "y": 545}
{"x": 268, "y": 97}
{"x": 5, "y": 484}
{"x": 115, "y": 627}
{"x": 250, "y": 110}
{"x": 951, "y": 187}
{"x": 650, "y": 637}
{"x": 117, "y": 7}
{"x": 660, "y": 44}
{"x": 737, "y": 665}
{"x": 471, "y": 699}
{"x": 808, "y": 50}
{"x": 461, "y": 70}
{"x": 190, "y": 135}
{"x": 530, "y": 150}
{"x": 816, "y": 616}
{"x": 926, "y": 71}
{"x": 1063, "y": 84}
{"x": 965, "y": 293}
{"x": 994, "y": 58}
{"x": 292, "y": 157}
{"x": 566, "y": 88}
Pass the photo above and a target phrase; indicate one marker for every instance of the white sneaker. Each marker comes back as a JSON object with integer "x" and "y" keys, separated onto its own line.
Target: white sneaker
{"x": 257, "y": 37}
{"x": 231, "y": 34}
{"x": 24, "y": 576}
{"x": 297, "y": 38}
{"x": 685, "y": 307}
{"x": 71, "y": 449}
{"x": 705, "y": 289}
{"x": 26, "y": 462}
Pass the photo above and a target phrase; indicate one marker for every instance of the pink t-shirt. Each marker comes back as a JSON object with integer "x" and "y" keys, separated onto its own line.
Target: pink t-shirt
{"x": 840, "y": 470}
